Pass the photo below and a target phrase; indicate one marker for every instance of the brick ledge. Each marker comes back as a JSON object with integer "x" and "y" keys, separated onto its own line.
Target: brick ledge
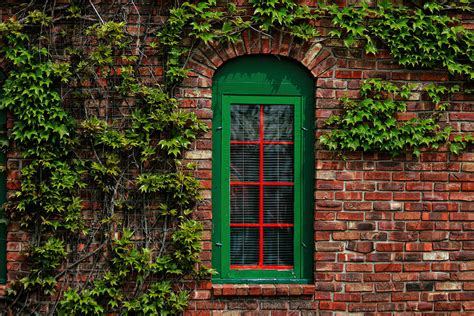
{"x": 263, "y": 289}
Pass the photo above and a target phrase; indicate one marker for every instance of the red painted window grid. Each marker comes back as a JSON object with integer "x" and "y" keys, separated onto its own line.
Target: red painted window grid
{"x": 261, "y": 185}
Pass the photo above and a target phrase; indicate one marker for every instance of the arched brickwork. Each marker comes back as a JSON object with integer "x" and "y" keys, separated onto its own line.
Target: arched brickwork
{"x": 195, "y": 93}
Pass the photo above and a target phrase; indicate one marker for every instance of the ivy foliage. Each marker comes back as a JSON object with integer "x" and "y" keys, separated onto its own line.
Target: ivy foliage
{"x": 202, "y": 23}
{"x": 135, "y": 168}
{"x": 286, "y": 15}
{"x": 43, "y": 130}
{"x": 424, "y": 37}
{"x": 133, "y": 265}
{"x": 45, "y": 260}
{"x": 371, "y": 124}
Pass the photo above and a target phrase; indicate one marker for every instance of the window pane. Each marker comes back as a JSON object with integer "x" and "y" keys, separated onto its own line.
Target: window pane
{"x": 244, "y": 246}
{"x": 278, "y": 204}
{"x": 278, "y": 123}
{"x": 278, "y": 246}
{"x": 278, "y": 163}
{"x": 244, "y": 122}
{"x": 244, "y": 163}
{"x": 244, "y": 204}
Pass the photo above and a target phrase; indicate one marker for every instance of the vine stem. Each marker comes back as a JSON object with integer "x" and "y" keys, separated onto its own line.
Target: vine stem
{"x": 96, "y": 12}
{"x": 72, "y": 265}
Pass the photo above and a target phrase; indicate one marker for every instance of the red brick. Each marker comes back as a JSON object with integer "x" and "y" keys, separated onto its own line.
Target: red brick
{"x": 420, "y": 226}
{"x": 406, "y": 196}
{"x": 334, "y": 306}
{"x": 357, "y": 206}
{"x": 228, "y": 289}
{"x": 361, "y": 287}
{"x": 368, "y": 307}
{"x": 419, "y": 186}
{"x": 405, "y": 297}
{"x": 416, "y": 267}
{"x": 330, "y": 226}
{"x": 461, "y": 196}
{"x": 388, "y": 267}
{"x": 374, "y": 175}
{"x": 351, "y": 216}
{"x": 445, "y": 306}
{"x": 378, "y": 196}
{"x": 405, "y": 176}
{"x": 346, "y": 235}
{"x": 376, "y": 297}
{"x": 359, "y": 267}
{"x": 391, "y": 247}
{"x": 329, "y": 185}
{"x": 348, "y": 196}
{"x": 346, "y": 297}
{"x": 407, "y": 216}
{"x": 403, "y": 236}
{"x": 417, "y": 246}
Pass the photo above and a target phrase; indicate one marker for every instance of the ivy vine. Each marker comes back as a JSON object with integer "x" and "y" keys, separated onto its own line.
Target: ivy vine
{"x": 371, "y": 125}
{"x": 424, "y": 37}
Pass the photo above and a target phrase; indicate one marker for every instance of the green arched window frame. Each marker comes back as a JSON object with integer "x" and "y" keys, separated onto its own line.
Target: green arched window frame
{"x": 264, "y": 80}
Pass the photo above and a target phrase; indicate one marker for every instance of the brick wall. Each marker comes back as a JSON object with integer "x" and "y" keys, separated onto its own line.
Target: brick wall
{"x": 392, "y": 236}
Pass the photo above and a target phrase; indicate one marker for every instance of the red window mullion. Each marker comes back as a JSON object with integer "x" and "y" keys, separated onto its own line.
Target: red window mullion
{"x": 244, "y": 142}
{"x": 261, "y": 267}
{"x": 264, "y": 183}
{"x": 264, "y": 225}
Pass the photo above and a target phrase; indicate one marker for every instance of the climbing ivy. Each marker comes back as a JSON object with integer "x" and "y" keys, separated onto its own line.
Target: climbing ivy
{"x": 371, "y": 124}
{"x": 286, "y": 15}
{"x": 136, "y": 168}
{"x": 424, "y": 37}
{"x": 104, "y": 186}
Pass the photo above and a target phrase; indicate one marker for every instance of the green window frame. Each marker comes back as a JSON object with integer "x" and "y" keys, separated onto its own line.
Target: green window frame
{"x": 264, "y": 81}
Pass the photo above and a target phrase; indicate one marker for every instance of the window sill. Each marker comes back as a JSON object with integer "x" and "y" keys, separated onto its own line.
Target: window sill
{"x": 263, "y": 289}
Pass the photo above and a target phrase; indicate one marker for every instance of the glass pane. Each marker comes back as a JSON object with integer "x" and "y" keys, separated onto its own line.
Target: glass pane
{"x": 244, "y": 122}
{"x": 244, "y": 246}
{"x": 278, "y": 163}
{"x": 244, "y": 204}
{"x": 278, "y": 123}
{"x": 244, "y": 163}
{"x": 278, "y": 246}
{"x": 278, "y": 204}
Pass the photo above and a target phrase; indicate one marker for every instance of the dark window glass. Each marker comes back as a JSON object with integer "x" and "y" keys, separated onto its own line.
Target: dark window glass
{"x": 244, "y": 204}
{"x": 278, "y": 163}
{"x": 243, "y": 248}
{"x": 278, "y": 246}
{"x": 278, "y": 122}
{"x": 244, "y": 163}
{"x": 278, "y": 204}
{"x": 245, "y": 122}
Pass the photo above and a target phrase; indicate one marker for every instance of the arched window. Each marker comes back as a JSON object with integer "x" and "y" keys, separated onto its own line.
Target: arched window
{"x": 263, "y": 169}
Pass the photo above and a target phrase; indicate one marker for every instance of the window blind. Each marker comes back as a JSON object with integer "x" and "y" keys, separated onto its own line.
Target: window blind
{"x": 262, "y": 186}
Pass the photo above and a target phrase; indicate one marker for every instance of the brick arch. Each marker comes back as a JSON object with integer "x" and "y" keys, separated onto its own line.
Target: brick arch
{"x": 206, "y": 59}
